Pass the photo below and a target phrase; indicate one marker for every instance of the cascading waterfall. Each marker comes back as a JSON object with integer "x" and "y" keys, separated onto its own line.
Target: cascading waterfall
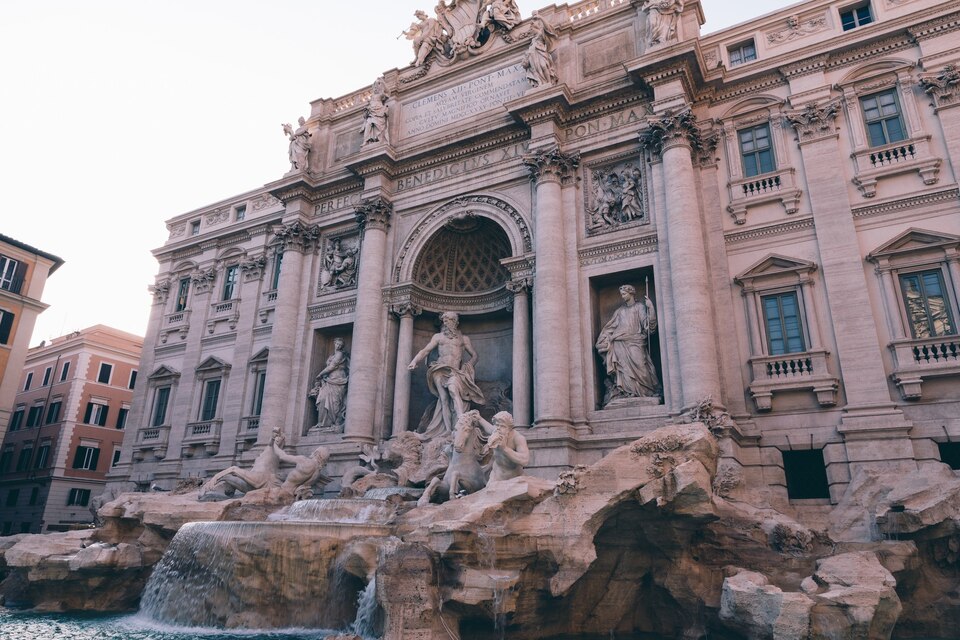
{"x": 365, "y": 624}
{"x": 337, "y": 511}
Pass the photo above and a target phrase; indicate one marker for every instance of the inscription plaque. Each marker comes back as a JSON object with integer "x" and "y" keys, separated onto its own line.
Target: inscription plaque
{"x": 462, "y": 101}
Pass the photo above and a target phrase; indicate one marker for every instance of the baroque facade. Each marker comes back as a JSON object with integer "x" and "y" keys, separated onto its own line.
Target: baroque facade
{"x": 73, "y": 400}
{"x": 634, "y": 223}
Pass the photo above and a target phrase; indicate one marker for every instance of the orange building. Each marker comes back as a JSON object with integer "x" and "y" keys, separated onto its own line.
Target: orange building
{"x": 23, "y": 274}
{"x": 65, "y": 430}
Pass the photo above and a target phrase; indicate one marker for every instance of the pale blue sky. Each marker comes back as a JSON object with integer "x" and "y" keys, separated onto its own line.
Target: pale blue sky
{"x": 119, "y": 114}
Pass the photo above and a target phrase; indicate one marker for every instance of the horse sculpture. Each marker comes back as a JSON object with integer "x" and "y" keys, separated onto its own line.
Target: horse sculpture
{"x": 464, "y": 475}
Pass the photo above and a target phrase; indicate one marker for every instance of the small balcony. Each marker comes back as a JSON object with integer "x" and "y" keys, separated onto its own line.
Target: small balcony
{"x": 202, "y": 437}
{"x": 151, "y": 441}
{"x": 247, "y": 435}
{"x": 224, "y": 311}
{"x": 177, "y": 322}
{"x": 918, "y": 359}
{"x": 775, "y": 186}
{"x": 906, "y": 156}
{"x": 802, "y": 371}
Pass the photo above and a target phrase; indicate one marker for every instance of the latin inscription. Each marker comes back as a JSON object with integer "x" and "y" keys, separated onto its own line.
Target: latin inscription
{"x": 337, "y": 204}
{"x": 636, "y": 115}
{"x": 460, "y": 167}
{"x": 464, "y": 100}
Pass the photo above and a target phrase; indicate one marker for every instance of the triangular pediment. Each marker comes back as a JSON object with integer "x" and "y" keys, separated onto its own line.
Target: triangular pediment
{"x": 212, "y": 363}
{"x": 775, "y": 264}
{"x": 163, "y": 371}
{"x": 914, "y": 240}
{"x": 261, "y": 356}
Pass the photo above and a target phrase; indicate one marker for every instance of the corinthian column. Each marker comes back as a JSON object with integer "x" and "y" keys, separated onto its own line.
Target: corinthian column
{"x": 550, "y": 312}
{"x": 675, "y": 137}
{"x": 366, "y": 359}
{"x": 401, "y": 389}
{"x": 296, "y": 239}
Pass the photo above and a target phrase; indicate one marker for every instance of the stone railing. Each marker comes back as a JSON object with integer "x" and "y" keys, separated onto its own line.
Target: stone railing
{"x": 247, "y": 435}
{"x": 917, "y": 359}
{"x": 780, "y": 185}
{"x": 204, "y": 435}
{"x": 905, "y": 156}
{"x": 224, "y": 311}
{"x": 177, "y": 322}
{"x": 267, "y": 305}
{"x": 588, "y": 8}
{"x": 225, "y": 307}
{"x": 356, "y": 99}
{"x": 153, "y": 439}
{"x": 802, "y": 371}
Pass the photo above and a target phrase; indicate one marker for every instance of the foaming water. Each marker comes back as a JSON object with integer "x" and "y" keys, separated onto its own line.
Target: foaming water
{"x": 337, "y": 511}
{"x": 29, "y": 626}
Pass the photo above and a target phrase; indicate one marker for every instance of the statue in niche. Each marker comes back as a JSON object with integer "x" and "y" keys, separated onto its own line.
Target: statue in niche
{"x": 617, "y": 198}
{"x": 330, "y": 390}
{"x": 502, "y": 13}
{"x": 662, "y": 18}
{"x": 537, "y": 60}
{"x": 299, "y": 149}
{"x": 427, "y": 36}
{"x": 624, "y": 344}
{"x": 449, "y": 377}
{"x": 375, "y": 124}
{"x": 339, "y": 266}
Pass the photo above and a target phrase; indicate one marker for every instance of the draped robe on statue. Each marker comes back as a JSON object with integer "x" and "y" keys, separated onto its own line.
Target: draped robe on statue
{"x": 623, "y": 342}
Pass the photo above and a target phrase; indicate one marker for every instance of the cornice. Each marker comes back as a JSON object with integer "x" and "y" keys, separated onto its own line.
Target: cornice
{"x": 770, "y": 230}
{"x": 745, "y": 88}
{"x": 427, "y": 161}
{"x": 948, "y": 195}
{"x": 331, "y": 309}
{"x": 858, "y": 54}
{"x": 600, "y": 254}
{"x": 805, "y": 66}
{"x": 936, "y": 27}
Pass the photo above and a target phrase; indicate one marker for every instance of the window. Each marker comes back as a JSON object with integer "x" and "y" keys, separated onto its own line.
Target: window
{"x": 950, "y": 454}
{"x": 116, "y": 458}
{"x": 160, "y": 401}
{"x": 756, "y": 150}
{"x": 6, "y": 459}
{"x": 43, "y": 453}
{"x": 34, "y": 496}
{"x": 23, "y": 460}
{"x": 195, "y": 228}
{"x": 855, "y": 16}
{"x": 13, "y": 496}
{"x": 33, "y": 418}
{"x": 65, "y": 371}
{"x": 927, "y": 305}
{"x": 46, "y": 376}
{"x": 882, "y": 114}
{"x": 106, "y": 370}
{"x": 240, "y": 212}
{"x": 133, "y": 379}
{"x": 122, "y": 417}
{"x": 230, "y": 281}
{"x": 28, "y": 382}
{"x": 183, "y": 291}
{"x": 86, "y": 458}
{"x": 9, "y": 279}
{"x": 211, "y": 393}
{"x": 96, "y": 414}
{"x": 743, "y": 53}
{"x": 258, "y": 386}
{"x": 806, "y": 474}
{"x": 53, "y": 412}
{"x": 16, "y": 421}
{"x": 6, "y": 326}
{"x": 78, "y": 498}
{"x": 277, "y": 263}
{"x": 781, "y": 315}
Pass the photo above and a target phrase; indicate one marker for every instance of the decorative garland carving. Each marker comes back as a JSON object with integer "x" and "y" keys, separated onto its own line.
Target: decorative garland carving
{"x": 264, "y": 201}
{"x": 797, "y": 28}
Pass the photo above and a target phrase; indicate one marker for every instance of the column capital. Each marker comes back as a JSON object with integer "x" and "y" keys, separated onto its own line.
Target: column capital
{"x": 160, "y": 291}
{"x": 678, "y": 128}
{"x": 254, "y": 267}
{"x": 406, "y": 309}
{"x": 814, "y": 121}
{"x": 203, "y": 279}
{"x": 551, "y": 165}
{"x": 296, "y": 236}
{"x": 374, "y": 213}
{"x": 943, "y": 86}
{"x": 519, "y": 286}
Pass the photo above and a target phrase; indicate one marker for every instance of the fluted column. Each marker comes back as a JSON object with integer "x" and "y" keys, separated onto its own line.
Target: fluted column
{"x": 675, "y": 136}
{"x": 401, "y": 389}
{"x": 550, "y": 311}
{"x": 296, "y": 239}
{"x": 366, "y": 359}
{"x": 521, "y": 350}
{"x": 890, "y": 291}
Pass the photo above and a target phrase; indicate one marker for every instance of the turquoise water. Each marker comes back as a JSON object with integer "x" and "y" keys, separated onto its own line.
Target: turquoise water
{"x": 29, "y": 626}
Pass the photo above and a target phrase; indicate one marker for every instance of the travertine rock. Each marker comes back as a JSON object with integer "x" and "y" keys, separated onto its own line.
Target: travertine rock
{"x": 761, "y": 610}
{"x": 859, "y": 600}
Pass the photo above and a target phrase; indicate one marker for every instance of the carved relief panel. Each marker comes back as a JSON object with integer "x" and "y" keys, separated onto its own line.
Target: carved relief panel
{"x": 615, "y": 196}
{"x": 340, "y": 259}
